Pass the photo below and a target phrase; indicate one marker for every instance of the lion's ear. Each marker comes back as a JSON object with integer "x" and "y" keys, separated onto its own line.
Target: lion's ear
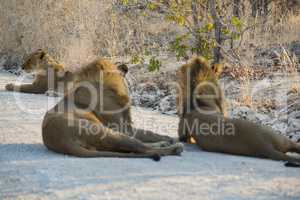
{"x": 43, "y": 53}
{"x": 123, "y": 68}
{"x": 217, "y": 69}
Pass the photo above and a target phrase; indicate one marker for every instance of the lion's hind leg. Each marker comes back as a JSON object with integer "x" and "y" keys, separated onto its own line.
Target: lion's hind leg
{"x": 124, "y": 143}
{"x": 295, "y": 147}
{"x": 104, "y": 139}
{"x": 158, "y": 144}
{"x": 73, "y": 137}
{"x": 79, "y": 151}
{"x": 148, "y": 136}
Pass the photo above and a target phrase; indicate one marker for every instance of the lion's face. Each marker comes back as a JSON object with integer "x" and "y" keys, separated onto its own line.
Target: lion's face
{"x": 198, "y": 83}
{"x": 34, "y": 61}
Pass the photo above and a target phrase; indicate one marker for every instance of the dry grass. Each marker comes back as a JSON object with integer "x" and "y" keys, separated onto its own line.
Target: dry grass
{"x": 273, "y": 38}
{"x": 76, "y": 31}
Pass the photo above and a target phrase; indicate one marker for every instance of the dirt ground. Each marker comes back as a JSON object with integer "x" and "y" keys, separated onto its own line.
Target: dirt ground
{"x": 29, "y": 171}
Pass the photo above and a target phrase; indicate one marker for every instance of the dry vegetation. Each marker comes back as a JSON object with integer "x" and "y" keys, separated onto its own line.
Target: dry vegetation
{"x": 261, "y": 72}
{"x": 73, "y": 31}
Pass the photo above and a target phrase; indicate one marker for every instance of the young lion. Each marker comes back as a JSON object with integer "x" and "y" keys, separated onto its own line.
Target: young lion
{"x": 201, "y": 118}
{"x": 94, "y": 119}
{"x": 49, "y": 75}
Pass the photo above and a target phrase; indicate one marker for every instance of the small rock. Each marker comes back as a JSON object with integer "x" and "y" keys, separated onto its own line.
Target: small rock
{"x": 167, "y": 105}
{"x": 243, "y": 112}
{"x": 262, "y": 117}
{"x": 294, "y": 114}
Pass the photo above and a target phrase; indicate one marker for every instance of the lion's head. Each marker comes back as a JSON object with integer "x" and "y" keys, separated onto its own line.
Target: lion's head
{"x": 103, "y": 71}
{"x": 40, "y": 61}
{"x": 106, "y": 76}
{"x": 199, "y": 86}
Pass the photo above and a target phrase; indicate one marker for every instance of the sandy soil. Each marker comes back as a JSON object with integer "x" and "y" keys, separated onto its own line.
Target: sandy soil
{"x": 29, "y": 171}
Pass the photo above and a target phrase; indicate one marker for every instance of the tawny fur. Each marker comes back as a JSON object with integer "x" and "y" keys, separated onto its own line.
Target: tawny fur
{"x": 49, "y": 75}
{"x": 249, "y": 139}
{"x": 115, "y": 136}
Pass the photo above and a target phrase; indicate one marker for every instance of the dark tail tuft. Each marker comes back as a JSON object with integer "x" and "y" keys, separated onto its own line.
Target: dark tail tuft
{"x": 292, "y": 164}
{"x": 156, "y": 157}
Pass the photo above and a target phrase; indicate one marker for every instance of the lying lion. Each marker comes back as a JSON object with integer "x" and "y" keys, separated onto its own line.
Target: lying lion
{"x": 49, "y": 75}
{"x": 201, "y": 119}
{"x": 94, "y": 119}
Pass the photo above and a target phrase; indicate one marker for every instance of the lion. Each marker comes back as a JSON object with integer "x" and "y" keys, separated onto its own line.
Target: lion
{"x": 49, "y": 75}
{"x": 94, "y": 119}
{"x": 200, "y": 108}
